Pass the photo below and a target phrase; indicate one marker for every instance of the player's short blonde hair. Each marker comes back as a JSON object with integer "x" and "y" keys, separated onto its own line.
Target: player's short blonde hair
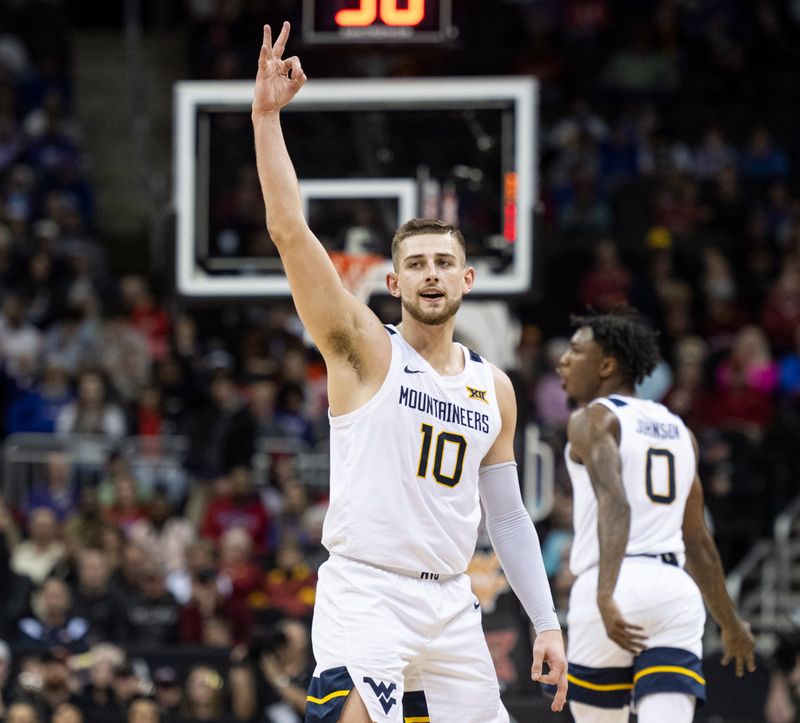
{"x": 420, "y": 226}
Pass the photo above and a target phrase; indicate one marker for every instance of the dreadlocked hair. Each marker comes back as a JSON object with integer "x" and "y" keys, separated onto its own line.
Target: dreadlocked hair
{"x": 622, "y": 334}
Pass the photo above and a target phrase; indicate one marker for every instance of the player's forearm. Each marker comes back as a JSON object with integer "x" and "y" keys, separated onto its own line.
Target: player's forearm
{"x": 613, "y": 513}
{"x": 516, "y": 543}
{"x": 278, "y": 179}
{"x": 705, "y": 567}
{"x": 614, "y": 519}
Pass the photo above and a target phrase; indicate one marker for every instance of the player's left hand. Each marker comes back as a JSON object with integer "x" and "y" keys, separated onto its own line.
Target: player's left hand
{"x": 625, "y": 634}
{"x": 739, "y": 645}
{"x": 549, "y": 648}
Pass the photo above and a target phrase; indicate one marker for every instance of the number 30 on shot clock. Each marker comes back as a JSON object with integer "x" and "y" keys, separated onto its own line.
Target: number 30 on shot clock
{"x": 377, "y": 21}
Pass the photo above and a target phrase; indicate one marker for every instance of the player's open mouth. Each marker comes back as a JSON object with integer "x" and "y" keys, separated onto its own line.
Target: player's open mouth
{"x": 433, "y": 295}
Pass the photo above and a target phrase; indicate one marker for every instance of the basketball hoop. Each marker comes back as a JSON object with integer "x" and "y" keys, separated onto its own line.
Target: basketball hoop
{"x": 360, "y": 273}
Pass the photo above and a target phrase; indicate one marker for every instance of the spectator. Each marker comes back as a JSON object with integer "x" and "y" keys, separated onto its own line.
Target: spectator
{"x": 72, "y": 339}
{"x": 290, "y": 585}
{"x": 22, "y": 713}
{"x": 59, "y": 491}
{"x": 21, "y": 343}
{"x": 36, "y": 409}
{"x": 152, "y": 613}
{"x": 94, "y": 599}
{"x": 762, "y": 161}
{"x": 145, "y": 314}
{"x": 38, "y": 556}
{"x": 237, "y": 504}
{"x": 223, "y": 433}
{"x": 168, "y": 693}
{"x": 209, "y": 608}
{"x": 67, "y": 713}
{"x": 92, "y": 412}
{"x": 98, "y": 699}
{"x": 200, "y": 557}
{"x": 53, "y": 625}
{"x": 133, "y": 564}
{"x": 165, "y": 534}
{"x": 607, "y": 284}
{"x": 143, "y": 710}
{"x": 86, "y": 527}
{"x": 203, "y": 695}
{"x": 750, "y": 358}
{"x": 273, "y": 686}
{"x": 16, "y": 588}
{"x": 237, "y": 564}
{"x": 127, "y": 507}
{"x": 124, "y": 355}
{"x": 780, "y": 316}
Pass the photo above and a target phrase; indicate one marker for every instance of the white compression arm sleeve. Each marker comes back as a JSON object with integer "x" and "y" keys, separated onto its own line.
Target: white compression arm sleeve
{"x": 515, "y": 541}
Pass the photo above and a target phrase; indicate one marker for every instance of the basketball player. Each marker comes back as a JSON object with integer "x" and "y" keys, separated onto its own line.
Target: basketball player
{"x": 421, "y": 429}
{"x": 636, "y": 615}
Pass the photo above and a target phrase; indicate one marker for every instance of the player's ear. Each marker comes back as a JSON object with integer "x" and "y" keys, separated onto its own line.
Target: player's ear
{"x": 608, "y": 366}
{"x": 392, "y": 285}
{"x": 468, "y": 279}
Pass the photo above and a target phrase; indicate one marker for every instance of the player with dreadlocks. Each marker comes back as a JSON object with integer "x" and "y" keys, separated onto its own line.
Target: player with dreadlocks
{"x": 642, "y": 554}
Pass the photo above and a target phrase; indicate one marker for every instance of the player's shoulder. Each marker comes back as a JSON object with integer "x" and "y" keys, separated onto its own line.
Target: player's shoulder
{"x": 591, "y": 420}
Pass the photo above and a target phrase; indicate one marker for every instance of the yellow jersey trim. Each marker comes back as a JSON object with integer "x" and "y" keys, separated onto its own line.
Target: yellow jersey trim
{"x": 330, "y": 696}
{"x": 417, "y": 719}
{"x": 669, "y": 669}
{"x": 598, "y": 686}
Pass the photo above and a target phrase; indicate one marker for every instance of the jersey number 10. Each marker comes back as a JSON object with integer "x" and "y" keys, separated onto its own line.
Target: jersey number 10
{"x": 442, "y": 439}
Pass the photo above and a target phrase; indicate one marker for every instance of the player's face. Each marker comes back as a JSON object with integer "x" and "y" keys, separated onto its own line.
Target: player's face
{"x": 579, "y": 367}
{"x": 431, "y": 277}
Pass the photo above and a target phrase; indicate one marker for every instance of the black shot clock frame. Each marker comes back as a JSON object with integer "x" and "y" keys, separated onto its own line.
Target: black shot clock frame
{"x": 378, "y": 21}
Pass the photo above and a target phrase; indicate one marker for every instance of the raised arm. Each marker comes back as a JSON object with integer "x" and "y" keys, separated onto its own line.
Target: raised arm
{"x": 705, "y": 568}
{"x": 594, "y": 442}
{"x": 347, "y": 333}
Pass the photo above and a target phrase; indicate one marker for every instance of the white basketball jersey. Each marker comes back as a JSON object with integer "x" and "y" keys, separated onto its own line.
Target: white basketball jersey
{"x": 404, "y": 466}
{"x": 658, "y": 469}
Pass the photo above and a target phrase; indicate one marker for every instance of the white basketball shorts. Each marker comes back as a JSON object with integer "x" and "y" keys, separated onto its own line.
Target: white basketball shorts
{"x": 413, "y": 648}
{"x": 664, "y": 600}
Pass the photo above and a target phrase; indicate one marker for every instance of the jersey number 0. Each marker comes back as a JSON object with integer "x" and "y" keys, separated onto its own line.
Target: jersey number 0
{"x": 442, "y": 439}
{"x": 660, "y": 476}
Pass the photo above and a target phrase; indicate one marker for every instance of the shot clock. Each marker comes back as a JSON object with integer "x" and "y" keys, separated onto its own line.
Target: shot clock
{"x": 377, "y": 21}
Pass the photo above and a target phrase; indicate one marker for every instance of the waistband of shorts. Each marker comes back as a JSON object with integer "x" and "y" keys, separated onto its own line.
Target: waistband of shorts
{"x": 668, "y": 558}
{"x": 414, "y": 574}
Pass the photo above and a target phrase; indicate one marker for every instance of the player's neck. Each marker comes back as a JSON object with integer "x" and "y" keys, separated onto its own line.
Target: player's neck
{"x": 622, "y": 390}
{"x": 434, "y": 343}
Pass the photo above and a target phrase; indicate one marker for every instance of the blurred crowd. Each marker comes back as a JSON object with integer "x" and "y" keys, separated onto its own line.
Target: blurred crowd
{"x": 669, "y": 181}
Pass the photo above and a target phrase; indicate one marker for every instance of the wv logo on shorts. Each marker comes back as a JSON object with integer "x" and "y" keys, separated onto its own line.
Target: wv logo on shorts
{"x": 479, "y": 394}
{"x": 383, "y": 692}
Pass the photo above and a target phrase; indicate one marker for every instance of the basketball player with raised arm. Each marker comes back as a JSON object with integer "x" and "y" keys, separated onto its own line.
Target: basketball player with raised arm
{"x": 422, "y": 429}
{"x": 642, "y": 553}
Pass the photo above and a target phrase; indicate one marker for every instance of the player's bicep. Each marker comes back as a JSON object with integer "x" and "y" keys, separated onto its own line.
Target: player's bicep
{"x": 333, "y": 317}
{"x": 503, "y": 448}
{"x": 594, "y": 437}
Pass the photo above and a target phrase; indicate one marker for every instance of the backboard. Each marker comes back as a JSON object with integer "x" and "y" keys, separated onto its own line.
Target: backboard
{"x": 369, "y": 154}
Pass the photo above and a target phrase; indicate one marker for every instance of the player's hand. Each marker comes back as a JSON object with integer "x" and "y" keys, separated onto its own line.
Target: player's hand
{"x": 625, "y": 634}
{"x": 549, "y": 648}
{"x": 278, "y": 80}
{"x": 739, "y": 645}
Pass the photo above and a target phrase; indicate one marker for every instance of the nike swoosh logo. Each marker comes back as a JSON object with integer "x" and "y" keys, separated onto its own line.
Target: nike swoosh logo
{"x": 476, "y": 605}
{"x": 413, "y": 371}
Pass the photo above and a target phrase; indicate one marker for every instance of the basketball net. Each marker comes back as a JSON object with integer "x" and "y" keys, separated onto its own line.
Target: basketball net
{"x": 360, "y": 273}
